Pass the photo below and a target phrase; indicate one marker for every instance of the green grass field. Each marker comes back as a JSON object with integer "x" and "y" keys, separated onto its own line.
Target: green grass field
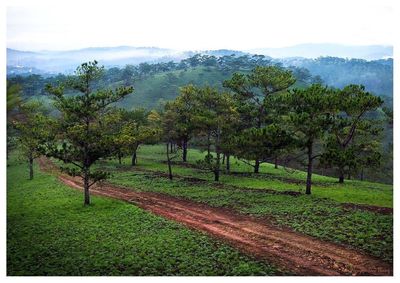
{"x": 49, "y": 232}
{"x": 352, "y": 191}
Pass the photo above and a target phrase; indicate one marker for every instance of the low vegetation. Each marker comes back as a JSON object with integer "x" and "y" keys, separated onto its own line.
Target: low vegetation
{"x": 152, "y": 157}
{"x": 320, "y": 215}
{"x": 49, "y": 232}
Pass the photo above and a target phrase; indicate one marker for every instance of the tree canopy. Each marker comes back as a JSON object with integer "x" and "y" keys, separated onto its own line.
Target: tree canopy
{"x": 85, "y": 124}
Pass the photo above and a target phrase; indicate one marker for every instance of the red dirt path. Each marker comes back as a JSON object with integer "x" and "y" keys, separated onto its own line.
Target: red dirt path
{"x": 295, "y": 252}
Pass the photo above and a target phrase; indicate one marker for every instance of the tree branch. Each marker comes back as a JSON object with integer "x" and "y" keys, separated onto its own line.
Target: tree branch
{"x": 94, "y": 182}
{"x": 76, "y": 164}
{"x": 353, "y": 129}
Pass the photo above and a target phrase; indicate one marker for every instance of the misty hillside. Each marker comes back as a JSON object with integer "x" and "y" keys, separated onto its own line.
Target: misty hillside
{"x": 376, "y": 75}
{"x": 370, "y": 52}
{"x": 159, "y": 82}
{"x": 53, "y": 62}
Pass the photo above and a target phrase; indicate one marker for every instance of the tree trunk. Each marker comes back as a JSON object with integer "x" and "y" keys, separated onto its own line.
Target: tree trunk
{"x": 208, "y": 143}
{"x": 218, "y": 165}
{"x": 341, "y": 176}
{"x": 8, "y": 151}
{"x": 216, "y": 175}
{"x": 184, "y": 153}
{"x": 134, "y": 158}
{"x": 349, "y": 176}
{"x": 86, "y": 186}
{"x": 257, "y": 166}
{"x": 86, "y": 160}
{"x": 30, "y": 167}
{"x": 309, "y": 169}
{"x": 217, "y": 168}
{"x": 228, "y": 164}
{"x": 362, "y": 174}
{"x": 169, "y": 164}
{"x": 119, "y": 159}
{"x": 223, "y": 158}
{"x": 276, "y": 162}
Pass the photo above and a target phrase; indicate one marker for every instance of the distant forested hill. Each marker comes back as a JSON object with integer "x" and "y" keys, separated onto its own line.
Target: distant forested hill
{"x": 159, "y": 82}
{"x": 376, "y": 76}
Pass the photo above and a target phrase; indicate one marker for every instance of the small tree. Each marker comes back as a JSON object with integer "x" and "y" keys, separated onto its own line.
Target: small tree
{"x": 309, "y": 118}
{"x": 353, "y": 103}
{"x": 86, "y": 124}
{"x": 183, "y": 107}
{"x": 14, "y": 100}
{"x": 33, "y": 129}
{"x": 266, "y": 143}
{"x": 229, "y": 144}
{"x": 138, "y": 127}
{"x": 369, "y": 156}
{"x": 252, "y": 93}
{"x": 364, "y": 150}
{"x": 118, "y": 144}
{"x": 215, "y": 116}
{"x": 14, "y": 103}
{"x": 169, "y": 134}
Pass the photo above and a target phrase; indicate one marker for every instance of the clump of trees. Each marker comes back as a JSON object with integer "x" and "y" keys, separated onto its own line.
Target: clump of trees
{"x": 135, "y": 127}
{"x": 214, "y": 118}
{"x": 180, "y": 112}
{"x": 260, "y": 117}
{"x": 265, "y": 118}
{"x": 206, "y": 113}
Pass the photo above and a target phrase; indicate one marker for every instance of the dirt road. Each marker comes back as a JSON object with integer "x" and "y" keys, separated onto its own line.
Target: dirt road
{"x": 295, "y": 252}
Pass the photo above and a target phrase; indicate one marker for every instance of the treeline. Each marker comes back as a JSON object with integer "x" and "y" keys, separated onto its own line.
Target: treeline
{"x": 34, "y": 84}
{"x": 258, "y": 118}
{"x": 376, "y": 76}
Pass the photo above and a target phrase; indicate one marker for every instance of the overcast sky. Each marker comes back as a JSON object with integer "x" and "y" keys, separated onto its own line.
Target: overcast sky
{"x": 198, "y": 24}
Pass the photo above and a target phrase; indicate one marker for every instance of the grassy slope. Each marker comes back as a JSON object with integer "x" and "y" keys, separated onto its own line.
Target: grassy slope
{"x": 165, "y": 85}
{"x": 313, "y": 215}
{"x": 149, "y": 90}
{"x": 353, "y": 191}
{"x": 49, "y": 232}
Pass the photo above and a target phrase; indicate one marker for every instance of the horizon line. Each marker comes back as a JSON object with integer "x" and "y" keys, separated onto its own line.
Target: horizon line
{"x": 210, "y": 49}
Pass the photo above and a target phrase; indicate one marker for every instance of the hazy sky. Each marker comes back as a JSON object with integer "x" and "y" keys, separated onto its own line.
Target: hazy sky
{"x": 197, "y": 24}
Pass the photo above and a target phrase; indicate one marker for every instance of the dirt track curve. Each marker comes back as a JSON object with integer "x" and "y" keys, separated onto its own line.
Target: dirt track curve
{"x": 295, "y": 252}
